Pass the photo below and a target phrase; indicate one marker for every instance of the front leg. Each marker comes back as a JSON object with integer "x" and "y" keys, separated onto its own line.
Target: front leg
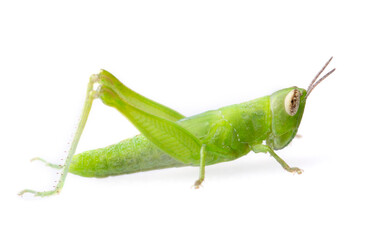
{"x": 264, "y": 148}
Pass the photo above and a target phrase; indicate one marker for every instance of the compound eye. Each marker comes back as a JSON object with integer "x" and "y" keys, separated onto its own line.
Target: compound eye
{"x": 292, "y": 102}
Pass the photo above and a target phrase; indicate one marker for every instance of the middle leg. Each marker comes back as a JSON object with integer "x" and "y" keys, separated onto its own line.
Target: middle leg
{"x": 202, "y": 167}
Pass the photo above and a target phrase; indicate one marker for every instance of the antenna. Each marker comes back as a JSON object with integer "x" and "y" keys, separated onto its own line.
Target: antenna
{"x": 314, "y": 83}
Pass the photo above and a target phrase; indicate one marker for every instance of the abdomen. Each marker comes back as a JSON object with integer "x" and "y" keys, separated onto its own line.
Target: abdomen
{"x": 128, "y": 156}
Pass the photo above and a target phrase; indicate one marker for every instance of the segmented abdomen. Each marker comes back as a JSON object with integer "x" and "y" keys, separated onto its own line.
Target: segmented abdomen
{"x": 128, "y": 156}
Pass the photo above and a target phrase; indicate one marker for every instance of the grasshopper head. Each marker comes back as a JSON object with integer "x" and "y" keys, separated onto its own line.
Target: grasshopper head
{"x": 287, "y": 107}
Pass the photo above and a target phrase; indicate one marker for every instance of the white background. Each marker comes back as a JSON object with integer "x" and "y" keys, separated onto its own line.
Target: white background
{"x": 192, "y": 56}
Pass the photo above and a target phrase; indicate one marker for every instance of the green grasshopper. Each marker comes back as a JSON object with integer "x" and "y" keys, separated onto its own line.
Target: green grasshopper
{"x": 169, "y": 139}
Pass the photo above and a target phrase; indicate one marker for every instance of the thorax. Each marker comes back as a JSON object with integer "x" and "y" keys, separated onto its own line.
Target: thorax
{"x": 232, "y": 130}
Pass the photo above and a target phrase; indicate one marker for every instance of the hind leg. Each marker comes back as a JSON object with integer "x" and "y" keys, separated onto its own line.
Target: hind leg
{"x": 154, "y": 120}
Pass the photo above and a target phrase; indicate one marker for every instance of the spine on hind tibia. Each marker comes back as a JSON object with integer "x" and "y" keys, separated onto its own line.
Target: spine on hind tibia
{"x": 128, "y": 156}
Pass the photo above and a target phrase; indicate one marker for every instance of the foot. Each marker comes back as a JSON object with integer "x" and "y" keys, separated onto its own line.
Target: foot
{"x": 39, "y": 194}
{"x": 295, "y": 170}
{"x": 198, "y": 183}
{"x": 47, "y": 163}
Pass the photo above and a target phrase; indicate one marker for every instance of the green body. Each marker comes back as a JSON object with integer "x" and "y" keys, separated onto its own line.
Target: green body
{"x": 168, "y": 139}
{"x": 229, "y": 133}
